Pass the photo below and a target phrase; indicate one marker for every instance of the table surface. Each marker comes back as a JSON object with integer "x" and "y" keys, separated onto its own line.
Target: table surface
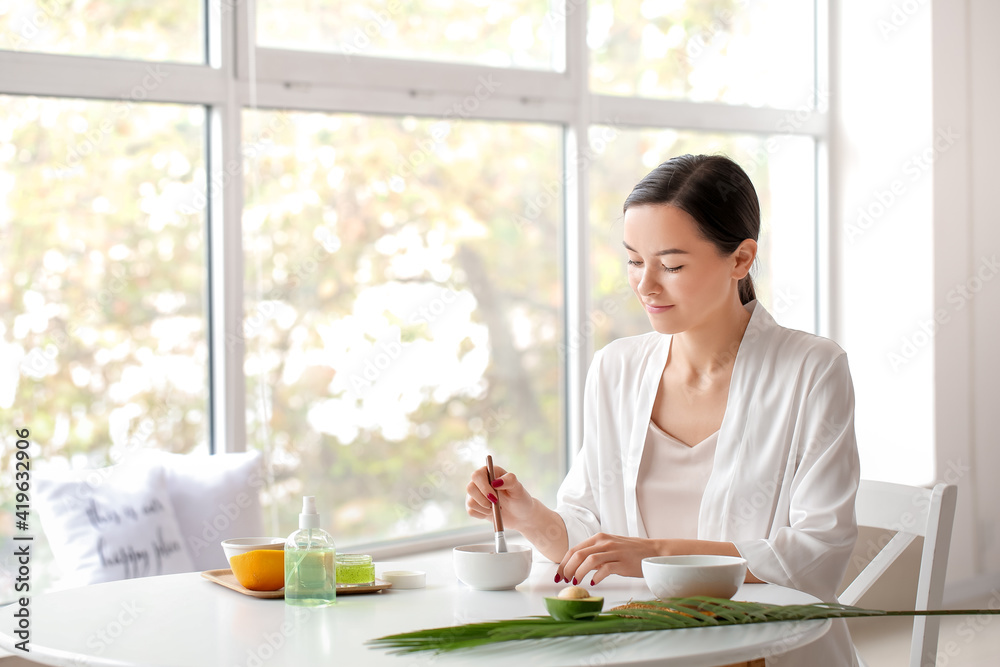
{"x": 184, "y": 620}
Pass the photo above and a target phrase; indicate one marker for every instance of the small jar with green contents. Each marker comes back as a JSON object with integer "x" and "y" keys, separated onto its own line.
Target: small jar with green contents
{"x": 355, "y": 570}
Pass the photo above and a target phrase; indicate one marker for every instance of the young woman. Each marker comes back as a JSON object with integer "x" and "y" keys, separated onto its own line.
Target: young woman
{"x": 720, "y": 432}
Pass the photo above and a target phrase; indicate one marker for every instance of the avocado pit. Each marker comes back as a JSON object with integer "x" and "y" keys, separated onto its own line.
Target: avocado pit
{"x": 574, "y": 604}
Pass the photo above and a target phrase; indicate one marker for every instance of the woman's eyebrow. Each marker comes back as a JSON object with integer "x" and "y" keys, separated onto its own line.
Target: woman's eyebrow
{"x": 668, "y": 251}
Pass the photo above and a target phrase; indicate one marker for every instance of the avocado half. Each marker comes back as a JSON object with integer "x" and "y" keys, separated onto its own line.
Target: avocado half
{"x": 563, "y": 609}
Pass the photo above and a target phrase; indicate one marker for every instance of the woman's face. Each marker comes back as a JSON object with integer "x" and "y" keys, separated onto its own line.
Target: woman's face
{"x": 679, "y": 277}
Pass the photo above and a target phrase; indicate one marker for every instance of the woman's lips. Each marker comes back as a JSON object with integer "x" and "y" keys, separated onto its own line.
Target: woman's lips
{"x": 657, "y": 309}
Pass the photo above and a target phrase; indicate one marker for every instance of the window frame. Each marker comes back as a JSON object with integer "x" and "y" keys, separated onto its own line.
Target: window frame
{"x": 238, "y": 75}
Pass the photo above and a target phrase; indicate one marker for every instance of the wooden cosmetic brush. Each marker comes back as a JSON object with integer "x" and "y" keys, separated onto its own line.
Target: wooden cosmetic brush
{"x": 500, "y": 539}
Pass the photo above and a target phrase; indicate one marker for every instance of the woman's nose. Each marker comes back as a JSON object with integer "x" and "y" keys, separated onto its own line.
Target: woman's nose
{"x": 646, "y": 283}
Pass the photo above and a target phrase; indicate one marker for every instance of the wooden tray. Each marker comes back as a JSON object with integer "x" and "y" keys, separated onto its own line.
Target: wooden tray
{"x": 228, "y": 579}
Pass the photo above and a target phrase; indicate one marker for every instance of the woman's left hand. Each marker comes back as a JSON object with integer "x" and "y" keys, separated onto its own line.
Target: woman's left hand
{"x": 605, "y": 554}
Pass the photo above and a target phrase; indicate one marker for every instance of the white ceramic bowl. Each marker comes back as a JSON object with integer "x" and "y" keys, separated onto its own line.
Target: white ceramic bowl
{"x": 241, "y": 545}
{"x": 684, "y": 576}
{"x": 480, "y": 567}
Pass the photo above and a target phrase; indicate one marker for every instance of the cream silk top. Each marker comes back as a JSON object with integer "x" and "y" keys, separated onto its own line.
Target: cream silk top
{"x": 671, "y": 481}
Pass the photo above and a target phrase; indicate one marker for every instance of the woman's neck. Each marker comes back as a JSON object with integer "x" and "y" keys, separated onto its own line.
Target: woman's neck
{"x": 710, "y": 349}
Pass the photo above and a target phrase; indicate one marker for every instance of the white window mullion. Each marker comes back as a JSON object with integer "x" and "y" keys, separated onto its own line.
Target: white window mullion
{"x": 707, "y": 116}
{"x": 226, "y": 201}
{"x": 367, "y": 73}
{"x": 48, "y": 75}
{"x": 578, "y": 339}
{"x": 445, "y": 105}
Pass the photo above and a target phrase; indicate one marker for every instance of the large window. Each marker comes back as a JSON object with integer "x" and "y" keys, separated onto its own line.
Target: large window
{"x": 402, "y": 323}
{"x": 374, "y": 240}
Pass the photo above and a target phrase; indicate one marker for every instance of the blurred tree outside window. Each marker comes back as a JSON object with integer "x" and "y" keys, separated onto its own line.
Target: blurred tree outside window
{"x": 103, "y": 323}
{"x": 159, "y": 31}
{"x": 751, "y": 52}
{"x": 526, "y": 34}
{"x": 404, "y": 316}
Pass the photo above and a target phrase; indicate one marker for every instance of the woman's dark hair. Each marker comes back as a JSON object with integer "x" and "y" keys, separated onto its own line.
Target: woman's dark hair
{"x": 713, "y": 190}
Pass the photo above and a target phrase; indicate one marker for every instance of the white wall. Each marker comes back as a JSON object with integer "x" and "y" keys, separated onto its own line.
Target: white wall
{"x": 967, "y": 246}
{"x": 882, "y": 231}
{"x": 984, "y": 116}
{"x": 914, "y": 105}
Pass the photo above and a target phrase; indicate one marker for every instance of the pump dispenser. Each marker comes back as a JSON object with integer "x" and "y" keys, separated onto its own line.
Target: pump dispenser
{"x": 310, "y": 562}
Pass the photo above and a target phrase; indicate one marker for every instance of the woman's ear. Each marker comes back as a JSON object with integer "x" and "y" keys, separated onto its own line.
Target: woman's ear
{"x": 743, "y": 257}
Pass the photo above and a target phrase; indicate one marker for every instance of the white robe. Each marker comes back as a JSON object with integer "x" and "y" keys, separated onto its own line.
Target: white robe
{"x": 786, "y": 469}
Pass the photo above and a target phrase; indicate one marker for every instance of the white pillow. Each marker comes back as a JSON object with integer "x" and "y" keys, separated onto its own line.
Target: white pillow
{"x": 215, "y": 497}
{"x": 110, "y": 523}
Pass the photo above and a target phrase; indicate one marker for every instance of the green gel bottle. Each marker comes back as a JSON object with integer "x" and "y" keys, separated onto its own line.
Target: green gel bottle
{"x": 310, "y": 562}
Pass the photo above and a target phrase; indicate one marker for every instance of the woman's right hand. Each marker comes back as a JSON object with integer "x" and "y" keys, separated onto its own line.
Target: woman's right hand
{"x": 515, "y": 501}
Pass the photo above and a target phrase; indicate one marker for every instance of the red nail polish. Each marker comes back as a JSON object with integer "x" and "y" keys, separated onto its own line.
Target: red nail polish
{"x": 557, "y": 579}
{"x": 497, "y": 483}
{"x": 574, "y": 581}
{"x": 492, "y": 498}
{"x": 592, "y": 583}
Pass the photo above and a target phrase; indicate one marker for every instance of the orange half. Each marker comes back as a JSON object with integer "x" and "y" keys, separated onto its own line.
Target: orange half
{"x": 260, "y": 570}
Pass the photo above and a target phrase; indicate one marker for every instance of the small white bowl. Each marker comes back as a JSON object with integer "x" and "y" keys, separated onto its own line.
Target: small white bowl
{"x": 685, "y": 576}
{"x": 479, "y": 566}
{"x": 241, "y": 545}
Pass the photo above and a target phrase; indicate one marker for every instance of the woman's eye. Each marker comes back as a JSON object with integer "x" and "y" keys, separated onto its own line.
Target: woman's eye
{"x": 634, "y": 263}
{"x": 673, "y": 269}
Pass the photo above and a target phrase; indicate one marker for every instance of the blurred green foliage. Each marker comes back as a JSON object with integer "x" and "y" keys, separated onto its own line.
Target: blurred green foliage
{"x": 417, "y": 302}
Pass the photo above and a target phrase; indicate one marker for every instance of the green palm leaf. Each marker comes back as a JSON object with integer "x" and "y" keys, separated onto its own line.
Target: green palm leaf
{"x": 641, "y": 616}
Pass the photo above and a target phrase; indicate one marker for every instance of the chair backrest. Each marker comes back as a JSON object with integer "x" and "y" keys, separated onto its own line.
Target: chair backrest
{"x": 910, "y": 511}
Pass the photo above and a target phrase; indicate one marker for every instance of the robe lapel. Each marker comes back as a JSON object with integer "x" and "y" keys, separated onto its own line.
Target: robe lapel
{"x": 733, "y": 437}
{"x": 649, "y": 384}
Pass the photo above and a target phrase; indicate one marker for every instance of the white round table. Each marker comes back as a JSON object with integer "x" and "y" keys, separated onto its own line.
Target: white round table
{"x": 184, "y": 620}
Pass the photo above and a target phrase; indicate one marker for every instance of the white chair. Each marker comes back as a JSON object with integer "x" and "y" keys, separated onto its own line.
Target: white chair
{"x": 910, "y": 511}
